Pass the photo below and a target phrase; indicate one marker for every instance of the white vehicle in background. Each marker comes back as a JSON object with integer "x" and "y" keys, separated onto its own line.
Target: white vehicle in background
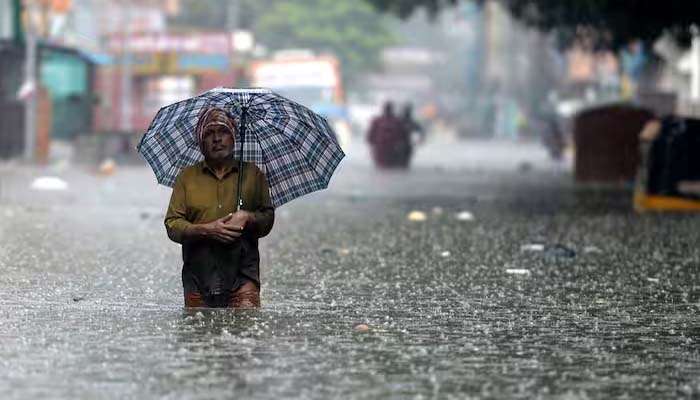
{"x": 312, "y": 80}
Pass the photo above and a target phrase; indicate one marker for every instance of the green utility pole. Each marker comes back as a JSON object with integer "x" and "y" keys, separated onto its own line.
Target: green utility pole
{"x": 17, "y": 32}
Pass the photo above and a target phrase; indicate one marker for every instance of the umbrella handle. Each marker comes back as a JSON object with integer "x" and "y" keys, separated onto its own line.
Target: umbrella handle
{"x": 239, "y": 199}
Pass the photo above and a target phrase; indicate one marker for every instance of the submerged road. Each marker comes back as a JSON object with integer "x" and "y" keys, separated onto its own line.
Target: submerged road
{"x": 509, "y": 282}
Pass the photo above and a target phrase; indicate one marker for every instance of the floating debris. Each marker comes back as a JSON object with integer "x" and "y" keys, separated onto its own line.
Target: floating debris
{"x": 549, "y": 251}
{"x": 78, "y": 298}
{"x": 107, "y": 167}
{"x": 592, "y": 250}
{"x": 653, "y": 280}
{"x": 49, "y": 183}
{"x": 518, "y": 271}
{"x": 327, "y": 251}
{"x": 465, "y": 216}
{"x": 445, "y": 254}
{"x": 559, "y": 251}
{"x": 417, "y": 216}
{"x": 361, "y": 328}
{"x": 344, "y": 252}
{"x": 532, "y": 247}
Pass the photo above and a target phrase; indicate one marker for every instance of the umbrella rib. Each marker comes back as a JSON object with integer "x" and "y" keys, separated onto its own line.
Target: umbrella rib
{"x": 298, "y": 144}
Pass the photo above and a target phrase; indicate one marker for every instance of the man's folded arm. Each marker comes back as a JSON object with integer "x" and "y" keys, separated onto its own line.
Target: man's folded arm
{"x": 263, "y": 219}
{"x": 175, "y": 222}
{"x": 264, "y": 215}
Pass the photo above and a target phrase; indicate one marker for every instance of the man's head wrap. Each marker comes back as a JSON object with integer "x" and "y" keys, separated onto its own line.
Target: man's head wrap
{"x": 214, "y": 116}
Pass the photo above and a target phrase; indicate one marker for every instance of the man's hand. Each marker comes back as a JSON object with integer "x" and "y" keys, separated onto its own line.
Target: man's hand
{"x": 220, "y": 230}
{"x": 239, "y": 220}
{"x": 227, "y": 229}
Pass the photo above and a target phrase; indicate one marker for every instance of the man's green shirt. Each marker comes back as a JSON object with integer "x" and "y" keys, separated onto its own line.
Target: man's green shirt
{"x": 199, "y": 196}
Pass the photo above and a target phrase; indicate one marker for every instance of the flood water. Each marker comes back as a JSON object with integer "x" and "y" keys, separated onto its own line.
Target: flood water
{"x": 91, "y": 299}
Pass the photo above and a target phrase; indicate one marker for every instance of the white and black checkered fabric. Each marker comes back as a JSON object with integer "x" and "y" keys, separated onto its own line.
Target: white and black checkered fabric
{"x": 295, "y": 148}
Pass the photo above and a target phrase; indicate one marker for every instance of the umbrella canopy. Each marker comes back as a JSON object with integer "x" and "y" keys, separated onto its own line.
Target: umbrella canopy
{"x": 295, "y": 148}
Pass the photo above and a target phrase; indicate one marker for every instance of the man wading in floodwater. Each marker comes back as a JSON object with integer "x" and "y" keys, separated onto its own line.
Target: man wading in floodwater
{"x": 219, "y": 244}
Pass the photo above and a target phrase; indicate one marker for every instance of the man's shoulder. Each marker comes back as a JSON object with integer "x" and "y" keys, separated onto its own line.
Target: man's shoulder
{"x": 251, "y": 166}
{"x": 190, "y": 171}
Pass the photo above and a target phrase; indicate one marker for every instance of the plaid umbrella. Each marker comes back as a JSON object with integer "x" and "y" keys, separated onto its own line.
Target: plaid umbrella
{"x": 295, "y": 148}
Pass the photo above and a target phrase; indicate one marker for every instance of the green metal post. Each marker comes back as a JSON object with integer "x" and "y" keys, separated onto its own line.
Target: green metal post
{"x": 17, "y": 28}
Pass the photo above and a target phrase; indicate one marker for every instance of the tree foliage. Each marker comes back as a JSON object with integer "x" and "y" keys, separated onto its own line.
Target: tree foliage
{"x": 353, "y": 30}
{"x": 404, "y": 8}
{"x": 350, "y": 29}
{"x": 603, "y": 23}
{"x": 609, "y": 23}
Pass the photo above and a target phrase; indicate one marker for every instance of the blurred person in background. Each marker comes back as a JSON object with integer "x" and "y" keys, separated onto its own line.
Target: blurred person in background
{"x": 389, "y": 140}
{"x": 219, "y": 243}
{"x": 412, "y": 126}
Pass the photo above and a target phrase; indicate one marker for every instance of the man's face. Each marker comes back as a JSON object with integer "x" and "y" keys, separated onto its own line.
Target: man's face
{"x": 217, "y": 143}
